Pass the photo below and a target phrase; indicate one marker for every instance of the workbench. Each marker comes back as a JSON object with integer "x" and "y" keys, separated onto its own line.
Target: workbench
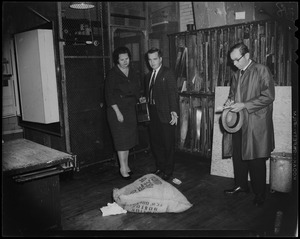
{"x": 31, "y": 188}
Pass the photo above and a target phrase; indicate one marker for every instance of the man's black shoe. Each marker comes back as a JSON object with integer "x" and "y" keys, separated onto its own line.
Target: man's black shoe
{"x": 236, "y": 190}
{"x": 258, "y": 200}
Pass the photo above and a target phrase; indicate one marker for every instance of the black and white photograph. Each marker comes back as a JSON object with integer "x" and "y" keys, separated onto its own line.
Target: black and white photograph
{"x": 150, "y": 119}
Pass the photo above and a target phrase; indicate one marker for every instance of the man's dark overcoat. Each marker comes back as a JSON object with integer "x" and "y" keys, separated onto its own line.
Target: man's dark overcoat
{"x": 257, "y": 93}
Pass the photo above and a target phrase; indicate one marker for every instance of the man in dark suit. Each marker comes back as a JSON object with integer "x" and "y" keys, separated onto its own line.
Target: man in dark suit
{"x": 162, "y": 96}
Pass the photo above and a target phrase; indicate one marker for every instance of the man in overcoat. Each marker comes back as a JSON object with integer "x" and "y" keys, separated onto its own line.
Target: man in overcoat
{"x": 252, "y": 91}
{"x": 161, "y": 93}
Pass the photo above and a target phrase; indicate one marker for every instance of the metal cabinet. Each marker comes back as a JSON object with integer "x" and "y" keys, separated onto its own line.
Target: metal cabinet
{"x": 37, "y": 76}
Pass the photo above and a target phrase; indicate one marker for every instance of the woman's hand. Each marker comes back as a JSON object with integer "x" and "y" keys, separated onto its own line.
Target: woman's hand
{"x": 174, "y": 118}
{"x": 118, "y": 113}
{"x": 120, "y": 116}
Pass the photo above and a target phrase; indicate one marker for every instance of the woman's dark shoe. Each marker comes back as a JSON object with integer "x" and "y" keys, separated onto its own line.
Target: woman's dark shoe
{"x": 125, "y": 177}
{"x": 236, "y": 190}
{"x": 130, "y": 173}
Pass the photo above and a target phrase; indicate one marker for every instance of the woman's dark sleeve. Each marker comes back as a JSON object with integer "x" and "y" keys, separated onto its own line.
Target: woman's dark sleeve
{"x": 138, "y": 86}
{"x": 109, "y": 89}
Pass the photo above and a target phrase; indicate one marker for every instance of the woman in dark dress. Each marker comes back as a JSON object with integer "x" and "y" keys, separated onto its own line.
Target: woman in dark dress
{"x": 122, "y": 91}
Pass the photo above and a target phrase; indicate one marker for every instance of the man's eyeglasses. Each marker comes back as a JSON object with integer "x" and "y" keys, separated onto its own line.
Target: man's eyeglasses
{"x": 237, "y": 60}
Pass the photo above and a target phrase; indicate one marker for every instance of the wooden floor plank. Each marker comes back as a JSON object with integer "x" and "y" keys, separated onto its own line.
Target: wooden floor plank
{"x": 83, "y": 195}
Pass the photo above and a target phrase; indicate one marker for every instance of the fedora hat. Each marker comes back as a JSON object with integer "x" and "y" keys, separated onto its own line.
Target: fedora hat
{"x": 232, "y": 121}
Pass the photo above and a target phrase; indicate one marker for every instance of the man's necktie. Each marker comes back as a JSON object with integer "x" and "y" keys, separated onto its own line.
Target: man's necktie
{"x": 238, "y": 96}
{"x": 151, "y": 88}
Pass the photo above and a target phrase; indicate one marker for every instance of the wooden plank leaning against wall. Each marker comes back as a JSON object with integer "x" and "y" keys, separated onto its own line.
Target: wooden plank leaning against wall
{"x": 201, "y": 63}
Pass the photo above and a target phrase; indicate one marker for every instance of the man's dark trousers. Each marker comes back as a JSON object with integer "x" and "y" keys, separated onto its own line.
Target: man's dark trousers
{"x": 162, "y": 138}
{"x": 256, "y": 167}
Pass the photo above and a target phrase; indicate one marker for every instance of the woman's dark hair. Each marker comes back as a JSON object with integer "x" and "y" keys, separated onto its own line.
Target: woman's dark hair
{"x": 118, "y": 51}
{"x": 242, "y": 48}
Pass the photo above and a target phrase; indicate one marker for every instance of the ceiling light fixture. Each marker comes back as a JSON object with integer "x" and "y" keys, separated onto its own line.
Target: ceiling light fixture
{"x": 81, "y": 5}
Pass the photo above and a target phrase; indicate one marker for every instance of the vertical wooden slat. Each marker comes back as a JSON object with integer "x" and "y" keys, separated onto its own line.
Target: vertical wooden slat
{"x": 243, "y": 32}
{"x": 215, "y": 61}
{"x": 212, "y": 59}
{"x": 284, "y": 62}
{"x": 228, "y": 63}
{"x": 186, "y": 58}
{"x": 262, "y": 50}
{"x": 211, "y": 122}
{"x": 221, "y": 59}
{"x": 200, "y": 59}
{"x": 258, "y": 43}
{"x": 255, "y": 50}
{"x": 240, "y": 34}
{"x": 190, "y": 61}
{"x": 225, "y": 52}
{"x": 204, "y": 107}
{"x": 206, "y": 64}
{"x": 251, "y": 39}
{"x": 209, "y": 66}
{"x": 191, "y": 125}
{"x": 194, "y": 68}
{"x": 267, "y": 31}
{"x": 275, "y": 53}
{"x": 268, "y": 46}
{"x": 280, "y": 58}
{"x": 289, "y": 60}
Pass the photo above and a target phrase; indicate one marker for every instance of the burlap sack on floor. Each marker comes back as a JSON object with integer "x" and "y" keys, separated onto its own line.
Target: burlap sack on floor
{"x": 151, "y": 194}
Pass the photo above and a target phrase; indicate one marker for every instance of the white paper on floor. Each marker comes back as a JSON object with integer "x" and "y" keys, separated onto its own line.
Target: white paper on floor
{"x": 176, "y": 181}
{"x": 112, "y": 209}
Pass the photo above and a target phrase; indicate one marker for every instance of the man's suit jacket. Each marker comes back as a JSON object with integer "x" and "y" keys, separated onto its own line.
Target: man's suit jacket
{"x": 164, "y": 93}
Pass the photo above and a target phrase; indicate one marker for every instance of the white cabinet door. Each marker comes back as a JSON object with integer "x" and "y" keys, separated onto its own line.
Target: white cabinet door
{"x": 37, "y": 76}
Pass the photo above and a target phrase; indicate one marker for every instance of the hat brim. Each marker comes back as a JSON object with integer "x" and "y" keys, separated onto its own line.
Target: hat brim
{"x": 237, "y": 126}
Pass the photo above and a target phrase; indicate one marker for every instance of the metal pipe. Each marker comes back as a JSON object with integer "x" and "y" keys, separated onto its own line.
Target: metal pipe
{"x": 46, "y": 19}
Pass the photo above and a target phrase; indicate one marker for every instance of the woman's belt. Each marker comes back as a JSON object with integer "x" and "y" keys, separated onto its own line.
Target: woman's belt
{"x": 127, "y": 96}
